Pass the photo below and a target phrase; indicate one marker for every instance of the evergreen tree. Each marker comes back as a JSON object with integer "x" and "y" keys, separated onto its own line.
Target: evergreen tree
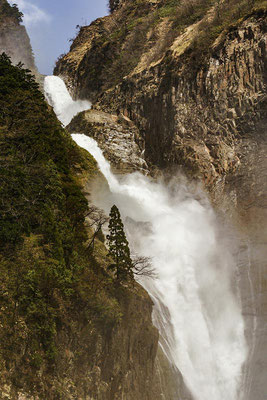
{"x": 119, "y": 247}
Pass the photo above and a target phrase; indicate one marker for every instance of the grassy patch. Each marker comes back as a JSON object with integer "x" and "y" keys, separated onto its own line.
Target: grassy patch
{"x": 224, "y": 19}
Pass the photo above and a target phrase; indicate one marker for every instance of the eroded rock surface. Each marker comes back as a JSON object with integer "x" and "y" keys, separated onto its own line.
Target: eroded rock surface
{"x": 204, "y": 112}
{"x": 116, "y": 135}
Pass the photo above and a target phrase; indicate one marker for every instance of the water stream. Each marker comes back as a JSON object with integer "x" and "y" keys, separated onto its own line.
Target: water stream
{"x": 58, "y": 96}
{"x": 197, "y": 308}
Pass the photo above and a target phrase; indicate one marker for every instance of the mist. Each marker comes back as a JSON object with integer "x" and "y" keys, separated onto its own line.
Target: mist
{"x": 196, "y": 299}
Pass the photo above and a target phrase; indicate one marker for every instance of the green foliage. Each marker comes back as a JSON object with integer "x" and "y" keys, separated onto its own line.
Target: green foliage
{"x": 11, "y": 11}
{"x": 168, "y": 9}
{"x": 38, "y": 197}
{"x": 44, "y": 262}
{"x": 35, "y": 163}
{"x": 107, "y": 311}
{"x": 131, "y": 25}
{"x": 119, "y": 247}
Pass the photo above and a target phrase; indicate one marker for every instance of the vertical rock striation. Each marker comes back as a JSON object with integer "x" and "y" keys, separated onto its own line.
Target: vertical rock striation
{"x": 199, "y": 106}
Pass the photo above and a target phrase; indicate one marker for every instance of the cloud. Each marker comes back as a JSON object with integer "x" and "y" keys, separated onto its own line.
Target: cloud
{"x": 32, "y": 13}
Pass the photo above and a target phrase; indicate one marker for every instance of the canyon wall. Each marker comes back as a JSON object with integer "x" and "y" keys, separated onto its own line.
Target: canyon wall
{"x": 197, "y": 94}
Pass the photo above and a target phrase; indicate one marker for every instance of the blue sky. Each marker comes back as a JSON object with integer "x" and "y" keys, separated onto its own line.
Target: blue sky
{"x": 51, "y": 23}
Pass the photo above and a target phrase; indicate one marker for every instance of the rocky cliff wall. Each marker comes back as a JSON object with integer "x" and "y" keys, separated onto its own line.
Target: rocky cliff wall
{"x": 212, "y": 124}
{"x": 199, "y": 102}
{"x": 14, "y": 39}
{"x": 116, "y": 135}
{"x": 94, "y": 361}
{"x": 15, "y": 42}
{"x": 195, "y": 118}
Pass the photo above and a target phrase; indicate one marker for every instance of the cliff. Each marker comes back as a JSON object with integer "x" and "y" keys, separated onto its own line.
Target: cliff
{"x": 14, "y": 39}
{"x": 116, "y": 135}
{"x": 191, "y": 77}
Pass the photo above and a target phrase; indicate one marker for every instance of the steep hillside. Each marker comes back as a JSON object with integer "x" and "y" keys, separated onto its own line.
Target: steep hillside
{"x": 66, "y": 329}
{"x": 191, "y": 76}
{"x": 139, "y": 34}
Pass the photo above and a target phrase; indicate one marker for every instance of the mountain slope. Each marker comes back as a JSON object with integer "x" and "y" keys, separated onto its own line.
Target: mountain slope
{"x": 66, "y": 329}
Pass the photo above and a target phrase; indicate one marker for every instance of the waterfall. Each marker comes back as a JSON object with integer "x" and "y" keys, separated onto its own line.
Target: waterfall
{"x": 196, "y": 306}
{"x": 59, "y": 98}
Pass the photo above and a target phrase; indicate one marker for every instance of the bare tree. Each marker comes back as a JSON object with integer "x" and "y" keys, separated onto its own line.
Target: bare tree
{"x": 97, "y": 220}
{"x": 142, "y": 266}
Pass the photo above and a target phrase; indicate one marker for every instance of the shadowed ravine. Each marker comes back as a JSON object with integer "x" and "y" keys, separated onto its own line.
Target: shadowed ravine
{"x": 197, "y": 308}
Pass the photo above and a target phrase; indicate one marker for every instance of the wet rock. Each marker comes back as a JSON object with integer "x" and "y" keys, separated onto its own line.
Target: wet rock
{"x": 116, "y": 135}
{"x": 209, "y": 119}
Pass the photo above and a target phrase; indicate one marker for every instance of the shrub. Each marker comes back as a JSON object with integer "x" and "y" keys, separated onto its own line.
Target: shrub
{"x": 12, "y": 11}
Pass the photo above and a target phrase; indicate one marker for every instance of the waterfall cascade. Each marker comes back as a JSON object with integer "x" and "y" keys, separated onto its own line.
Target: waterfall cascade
{"x": 59, "y": 98}
{"x": 197, "y": 308}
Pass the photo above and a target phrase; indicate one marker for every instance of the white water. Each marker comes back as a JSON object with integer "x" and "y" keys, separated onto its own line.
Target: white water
{"x": 59, "y": 98}
{"x": 196, "y": 308}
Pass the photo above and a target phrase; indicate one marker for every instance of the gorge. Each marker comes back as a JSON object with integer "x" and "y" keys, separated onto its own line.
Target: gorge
{"x": 200, "y": 322}
{"x": 167, "y": 103}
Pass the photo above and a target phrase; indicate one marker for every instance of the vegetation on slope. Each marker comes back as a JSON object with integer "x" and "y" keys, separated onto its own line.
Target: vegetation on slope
{"x": 49, "y": 278}
{"x": 140, "y": 33}
{"x": 216, "y": 16}
{"x": 10, "y": 11}
{"x": 227, "y": 15}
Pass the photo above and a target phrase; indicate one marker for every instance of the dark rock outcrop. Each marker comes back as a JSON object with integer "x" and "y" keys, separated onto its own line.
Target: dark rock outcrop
{"x": 114, "y": 5}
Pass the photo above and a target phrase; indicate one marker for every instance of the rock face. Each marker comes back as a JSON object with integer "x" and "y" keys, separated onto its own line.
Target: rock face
{"x": 14, "y": 39}
{"x": 112, "y": 364}
{"x": 225, "y": 99}
{"x": 117, "y": 136}
{"x": 15, "y": 42}
{"x": 107, "y": 50}
{"x": 199, "y": 102}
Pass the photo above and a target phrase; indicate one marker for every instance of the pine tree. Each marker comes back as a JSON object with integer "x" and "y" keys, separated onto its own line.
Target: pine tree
{"x": 119, "y": 247}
